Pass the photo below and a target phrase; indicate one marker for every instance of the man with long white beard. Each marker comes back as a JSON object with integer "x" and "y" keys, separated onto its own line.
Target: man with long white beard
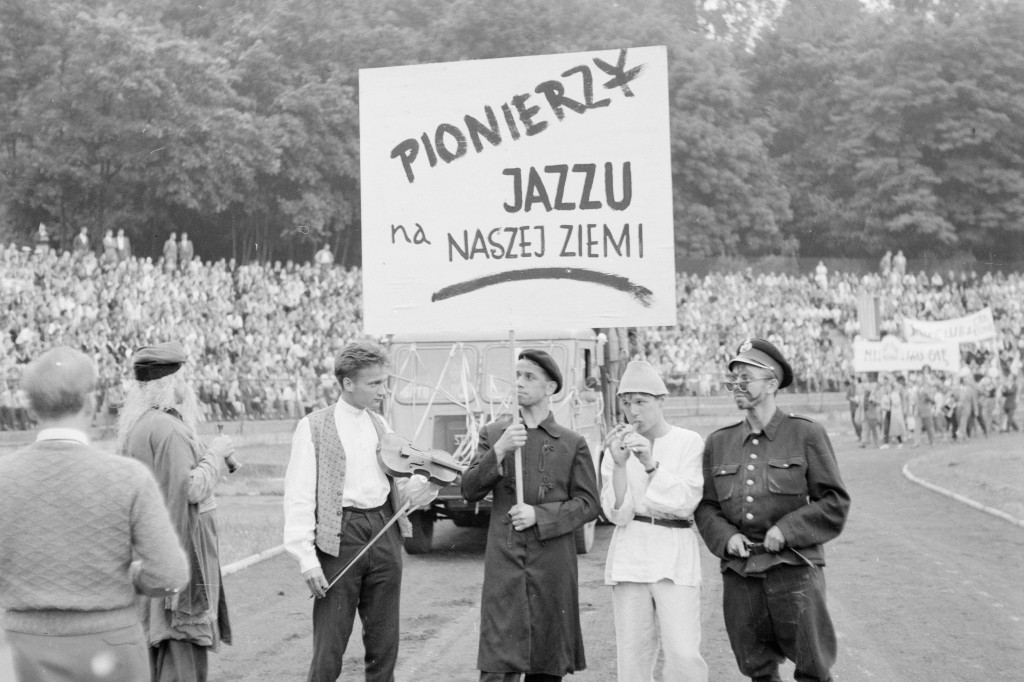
{"x": 157, "y": 426}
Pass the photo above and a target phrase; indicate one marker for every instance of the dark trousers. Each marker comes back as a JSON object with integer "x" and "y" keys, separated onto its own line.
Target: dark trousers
{"x": 372, "y": 586}
{"x": 176, "y": 660}
{"x": 782, "y": 615}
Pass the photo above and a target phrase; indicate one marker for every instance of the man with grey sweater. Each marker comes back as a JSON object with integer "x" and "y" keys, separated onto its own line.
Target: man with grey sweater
{"x": 83, "y": 531}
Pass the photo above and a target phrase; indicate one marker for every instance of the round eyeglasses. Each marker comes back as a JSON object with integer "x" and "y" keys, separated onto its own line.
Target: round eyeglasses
{"x": 741, "y": 384}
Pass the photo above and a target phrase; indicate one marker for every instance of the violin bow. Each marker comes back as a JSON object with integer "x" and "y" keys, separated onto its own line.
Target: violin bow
{"x": 364, "y": 550}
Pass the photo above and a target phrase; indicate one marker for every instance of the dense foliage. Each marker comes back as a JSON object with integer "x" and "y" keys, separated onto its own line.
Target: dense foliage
{"x": 802, "y": 127}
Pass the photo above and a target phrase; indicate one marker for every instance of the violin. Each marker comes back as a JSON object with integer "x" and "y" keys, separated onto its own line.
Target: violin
{"x": 401, "y": 457}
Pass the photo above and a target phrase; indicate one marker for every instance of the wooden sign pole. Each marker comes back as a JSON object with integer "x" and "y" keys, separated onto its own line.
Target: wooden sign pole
{"x": 515, "y": 416}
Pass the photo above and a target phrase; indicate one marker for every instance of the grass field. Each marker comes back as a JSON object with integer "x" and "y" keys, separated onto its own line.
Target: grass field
{"x": 986, "y": 470}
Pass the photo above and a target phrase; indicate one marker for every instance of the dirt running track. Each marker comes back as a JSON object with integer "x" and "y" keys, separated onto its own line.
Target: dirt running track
{"x": 921, "y": 589}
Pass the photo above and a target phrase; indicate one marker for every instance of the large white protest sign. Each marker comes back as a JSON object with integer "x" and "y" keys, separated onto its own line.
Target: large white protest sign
{"x": 979, "y": 326}
{"x": 517, "y": 193}
{"x": 892, "y": 355}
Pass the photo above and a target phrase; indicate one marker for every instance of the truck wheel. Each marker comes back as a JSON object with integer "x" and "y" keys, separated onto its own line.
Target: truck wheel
{"x": 422, "y": 532}
{"x": 584, "y": 537}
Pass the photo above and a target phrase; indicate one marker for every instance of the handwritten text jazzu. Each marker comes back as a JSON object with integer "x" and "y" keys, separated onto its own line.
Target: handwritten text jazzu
{"x": 519, "y": 116}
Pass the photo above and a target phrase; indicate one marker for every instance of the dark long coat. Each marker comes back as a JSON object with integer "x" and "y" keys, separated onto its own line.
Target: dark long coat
{"x": 529, "y": 611}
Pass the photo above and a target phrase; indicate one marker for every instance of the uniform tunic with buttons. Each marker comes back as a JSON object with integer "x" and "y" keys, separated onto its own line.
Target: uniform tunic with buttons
{"x": 785, "y": 475}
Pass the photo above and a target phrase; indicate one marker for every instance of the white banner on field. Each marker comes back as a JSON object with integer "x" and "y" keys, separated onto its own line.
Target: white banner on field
{"x": 517, "y": 193}
{"x": 979, "y": 326}
{"x": 892, "y": 355}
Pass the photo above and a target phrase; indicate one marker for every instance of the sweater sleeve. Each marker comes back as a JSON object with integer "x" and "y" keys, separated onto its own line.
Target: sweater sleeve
{"x": 162, "y": 568}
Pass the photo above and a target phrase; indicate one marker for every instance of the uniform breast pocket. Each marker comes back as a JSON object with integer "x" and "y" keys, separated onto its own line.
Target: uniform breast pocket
{"x": 725, "y": 480}
{"x": 787, "y": 476}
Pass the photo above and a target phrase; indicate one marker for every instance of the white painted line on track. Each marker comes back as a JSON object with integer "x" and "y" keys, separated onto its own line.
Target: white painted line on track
{"x": 958, "y": 497}
{"x": 248, "y": 561}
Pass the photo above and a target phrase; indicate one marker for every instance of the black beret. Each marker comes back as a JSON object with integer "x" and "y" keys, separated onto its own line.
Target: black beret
{"x": 155, "y": 362}
{"x": 547, "y": 363}
{"x": 761, "y": 353}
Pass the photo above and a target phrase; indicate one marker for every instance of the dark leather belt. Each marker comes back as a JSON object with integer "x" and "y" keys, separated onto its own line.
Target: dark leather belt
{"x": 667, "y": 523}
{"x": 358, "y": 510}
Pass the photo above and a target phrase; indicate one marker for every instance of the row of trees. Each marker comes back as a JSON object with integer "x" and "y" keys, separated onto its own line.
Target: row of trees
{"x": 810, "y": 127}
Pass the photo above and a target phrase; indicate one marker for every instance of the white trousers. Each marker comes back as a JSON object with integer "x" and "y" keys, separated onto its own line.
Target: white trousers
{"x": 653, "y": 616}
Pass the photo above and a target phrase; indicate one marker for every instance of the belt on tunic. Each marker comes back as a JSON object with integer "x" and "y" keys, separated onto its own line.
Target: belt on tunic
{"x": 667, "y": 523}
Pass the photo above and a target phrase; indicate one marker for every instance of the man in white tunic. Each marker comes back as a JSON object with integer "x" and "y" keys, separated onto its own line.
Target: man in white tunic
{"x": 652, "y": 481}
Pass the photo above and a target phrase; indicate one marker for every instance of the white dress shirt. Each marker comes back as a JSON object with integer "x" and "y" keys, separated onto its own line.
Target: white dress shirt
{"x": 366, "y": 485}
{"x": 642, "y": 552}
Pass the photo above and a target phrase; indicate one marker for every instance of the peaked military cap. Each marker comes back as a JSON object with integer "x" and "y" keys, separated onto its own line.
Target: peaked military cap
{"x": 761, "y": 353}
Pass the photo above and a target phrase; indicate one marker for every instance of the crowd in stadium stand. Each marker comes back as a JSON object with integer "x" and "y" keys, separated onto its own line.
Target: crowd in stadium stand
{"x": 263, "y": 336}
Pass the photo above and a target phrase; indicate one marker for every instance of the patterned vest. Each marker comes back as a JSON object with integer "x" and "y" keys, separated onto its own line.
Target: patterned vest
{"x": 330, "y": 480}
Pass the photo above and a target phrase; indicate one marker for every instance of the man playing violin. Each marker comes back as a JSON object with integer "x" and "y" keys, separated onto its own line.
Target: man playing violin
{"x": 337, "y": 496}
{"x": 529, "y": 611}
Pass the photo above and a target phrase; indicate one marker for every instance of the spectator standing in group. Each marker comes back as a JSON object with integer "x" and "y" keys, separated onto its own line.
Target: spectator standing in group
{"x": 885, "y": 408}
{"x": 651, "y": 483}
{"x": 949, "y": 395}
{"x": 871, "y": 401}
{"x": 966, "y": 398}
{"x": 6, "y": 406}
{"x": 109, "y": 259}
{"x": 83, "y": 531}
{"x": 80, "y": 246}
{"x": 171, "y": 253}
{"x": 986, "y": 402}
{"x": 42, "y": 240}
{"x": 885, "y": 266}
{"x": 158, "y": 427}
{"x": 897, "y": 430}
{"x": 185, "y": 251}
{"x": 821, "y": 275}
{"x": 853, "y": 400}
{"x": 899, "y": 264}
{"x": 124, "y": 246}
{"x": 324, "y": 258}
{"x": 1009, "y": 386}
{"x": 924, "y": 407}
{"x": 772, "y": 496}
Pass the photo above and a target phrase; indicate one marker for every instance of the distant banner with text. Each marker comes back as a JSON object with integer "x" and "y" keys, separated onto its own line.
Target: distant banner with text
{"x": 979, "y": 326}
{"x": 892, "y": 355}
{"x": 521, "y": 193}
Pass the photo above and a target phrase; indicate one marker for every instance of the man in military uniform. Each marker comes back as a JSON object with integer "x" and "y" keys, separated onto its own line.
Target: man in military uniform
{"x": 772, "y": 497}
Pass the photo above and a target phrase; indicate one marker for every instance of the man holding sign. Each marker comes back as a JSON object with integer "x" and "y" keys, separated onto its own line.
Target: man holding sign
{"x": 529, "y": 611}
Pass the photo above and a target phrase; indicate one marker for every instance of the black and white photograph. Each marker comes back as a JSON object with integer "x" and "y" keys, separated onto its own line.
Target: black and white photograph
{"x": 519, "y": 341}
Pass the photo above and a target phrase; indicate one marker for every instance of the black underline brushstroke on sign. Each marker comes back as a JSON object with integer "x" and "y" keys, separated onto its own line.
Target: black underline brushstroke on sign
{"x": 642, "y": 294}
